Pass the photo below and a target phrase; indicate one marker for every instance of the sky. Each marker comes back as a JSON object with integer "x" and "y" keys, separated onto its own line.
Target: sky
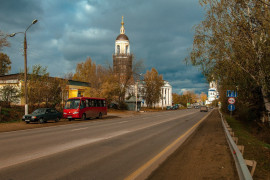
{"x": 68, "y": 31}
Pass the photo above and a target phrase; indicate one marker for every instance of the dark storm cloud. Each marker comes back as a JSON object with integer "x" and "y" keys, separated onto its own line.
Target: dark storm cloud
{"x": 68, "y": 31}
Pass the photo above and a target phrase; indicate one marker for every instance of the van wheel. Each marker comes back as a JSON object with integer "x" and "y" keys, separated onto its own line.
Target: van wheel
{"x": 99, "y": 116}
{"x": 41, "y": 121}
{"x": 83, "y": 117}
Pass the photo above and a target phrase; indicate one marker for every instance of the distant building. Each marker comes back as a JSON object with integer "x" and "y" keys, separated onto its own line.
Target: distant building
{"x": 122, "y": 58}
{"x": 212, "y": 92}
{"x": 166, "y": 94}
{"x": 72, "y": 89}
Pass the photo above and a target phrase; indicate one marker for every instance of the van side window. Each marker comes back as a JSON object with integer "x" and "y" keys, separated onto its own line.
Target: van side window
{"x": 102, "y": 103}
{"x": 91, "y": 103}
{"x": 87, "y": 102}
{"x": 83, "y": 105}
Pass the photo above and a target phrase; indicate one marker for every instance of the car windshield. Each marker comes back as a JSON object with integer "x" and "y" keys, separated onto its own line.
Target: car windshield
{"x": 72, "y": 104}
{"x": 39, "y": 111}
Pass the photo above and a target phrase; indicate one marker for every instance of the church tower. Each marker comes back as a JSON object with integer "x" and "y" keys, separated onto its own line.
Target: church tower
{"x": 122, "y": 58}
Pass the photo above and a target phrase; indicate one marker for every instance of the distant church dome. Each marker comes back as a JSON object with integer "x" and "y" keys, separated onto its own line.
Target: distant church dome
{"x": 122, "y": 46}
{"x": 122, "y": 37}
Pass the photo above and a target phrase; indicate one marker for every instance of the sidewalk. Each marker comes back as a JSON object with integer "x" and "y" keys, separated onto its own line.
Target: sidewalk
{"x": 204, "y": 155}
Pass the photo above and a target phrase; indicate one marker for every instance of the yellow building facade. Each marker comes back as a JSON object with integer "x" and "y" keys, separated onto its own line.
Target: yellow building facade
{"x": 72, "y": 89}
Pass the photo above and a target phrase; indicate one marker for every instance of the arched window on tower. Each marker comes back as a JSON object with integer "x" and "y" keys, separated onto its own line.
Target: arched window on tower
{"x": 126, "y": 49}
{"x": 118, "y": 49}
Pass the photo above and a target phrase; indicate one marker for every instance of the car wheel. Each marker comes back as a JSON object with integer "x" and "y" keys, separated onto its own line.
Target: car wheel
{"x": 83, "y": 117}
{"x": 41, "y": 121}
{"x": 57, "y": 119}
{"x": 99, "y": 116}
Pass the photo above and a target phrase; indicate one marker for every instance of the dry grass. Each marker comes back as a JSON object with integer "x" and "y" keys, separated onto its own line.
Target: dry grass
{"x": 255, "y": 148}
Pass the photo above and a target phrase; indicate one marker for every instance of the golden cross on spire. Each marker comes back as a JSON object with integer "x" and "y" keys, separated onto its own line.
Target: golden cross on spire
{"x": 122, "y": 20}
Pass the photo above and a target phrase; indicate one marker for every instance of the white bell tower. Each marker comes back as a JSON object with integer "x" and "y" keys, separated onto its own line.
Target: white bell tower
{"x": 122, "y": 58}
{"x": 122, "y": 45}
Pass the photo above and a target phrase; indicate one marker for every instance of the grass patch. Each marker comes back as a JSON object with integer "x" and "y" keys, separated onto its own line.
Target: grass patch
{"x": 255, "y": 149}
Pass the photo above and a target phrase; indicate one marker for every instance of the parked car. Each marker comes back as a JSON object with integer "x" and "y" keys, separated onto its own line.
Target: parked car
{"x": 203, "y": 109}
{"x": 43, "y": 115}
{"x": 175, "y": 107}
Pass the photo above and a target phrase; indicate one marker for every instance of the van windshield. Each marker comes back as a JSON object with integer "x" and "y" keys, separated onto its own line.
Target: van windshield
{"x": 72, "y": 104}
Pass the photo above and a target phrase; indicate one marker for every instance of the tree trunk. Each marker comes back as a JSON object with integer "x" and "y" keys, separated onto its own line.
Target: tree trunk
{"x": 265, "y": 98}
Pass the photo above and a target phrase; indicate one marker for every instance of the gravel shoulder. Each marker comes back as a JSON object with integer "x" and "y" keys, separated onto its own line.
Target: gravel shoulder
{"x": 204, "y": 155}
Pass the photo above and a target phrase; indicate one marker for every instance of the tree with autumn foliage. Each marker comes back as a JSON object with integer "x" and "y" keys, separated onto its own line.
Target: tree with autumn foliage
{"x": 3, "y": 40}
{"x": 102, "y": 81}
{"x": 43, "y": 89}
{"x": 232, "y": 46}
{"x": 152, "y": 87}
{"x": 203, "y": 97}
{"x": 4, "y": 64}
{"x": 4, "y": 59}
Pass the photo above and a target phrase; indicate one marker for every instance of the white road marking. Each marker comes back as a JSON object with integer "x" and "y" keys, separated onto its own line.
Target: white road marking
{"x": 79, "y": 129}
{"x": 121, "y": 122}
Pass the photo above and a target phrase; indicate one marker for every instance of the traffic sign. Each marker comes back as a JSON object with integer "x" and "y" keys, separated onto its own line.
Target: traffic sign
{"x": 231, "y": 107}
{"x": 231, "y": 93}
{"x": 228, "y": 93}
{"x": 231, "y": 100}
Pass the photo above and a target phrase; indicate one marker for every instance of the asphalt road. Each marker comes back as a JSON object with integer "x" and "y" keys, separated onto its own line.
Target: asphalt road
{"x": 106, "y": 149}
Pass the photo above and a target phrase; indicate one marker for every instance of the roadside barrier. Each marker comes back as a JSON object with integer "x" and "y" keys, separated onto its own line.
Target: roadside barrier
{"x": 238, "y": 152}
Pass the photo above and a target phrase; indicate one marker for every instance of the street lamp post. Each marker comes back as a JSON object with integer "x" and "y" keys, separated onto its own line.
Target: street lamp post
{"x": 136, "y": 92}
{"x": 25, "y": 63}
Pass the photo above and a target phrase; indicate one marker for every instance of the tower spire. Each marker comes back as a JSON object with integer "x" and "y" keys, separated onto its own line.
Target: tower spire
{"x": 122, "y": 29}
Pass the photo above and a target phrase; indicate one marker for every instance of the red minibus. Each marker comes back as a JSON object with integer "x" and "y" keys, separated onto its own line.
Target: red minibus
{"x": 84, "y": 107}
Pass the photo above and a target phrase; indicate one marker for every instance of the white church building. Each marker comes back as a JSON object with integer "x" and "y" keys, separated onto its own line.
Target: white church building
{"x": 212, "y": 92}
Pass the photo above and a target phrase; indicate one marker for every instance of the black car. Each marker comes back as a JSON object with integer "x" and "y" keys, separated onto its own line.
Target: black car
{"x": 42, "y": 115}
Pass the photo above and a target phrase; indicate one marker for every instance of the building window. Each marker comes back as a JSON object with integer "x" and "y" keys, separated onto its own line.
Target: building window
{"x": 126, "y": 49}
{"x": 118, "y": 49}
